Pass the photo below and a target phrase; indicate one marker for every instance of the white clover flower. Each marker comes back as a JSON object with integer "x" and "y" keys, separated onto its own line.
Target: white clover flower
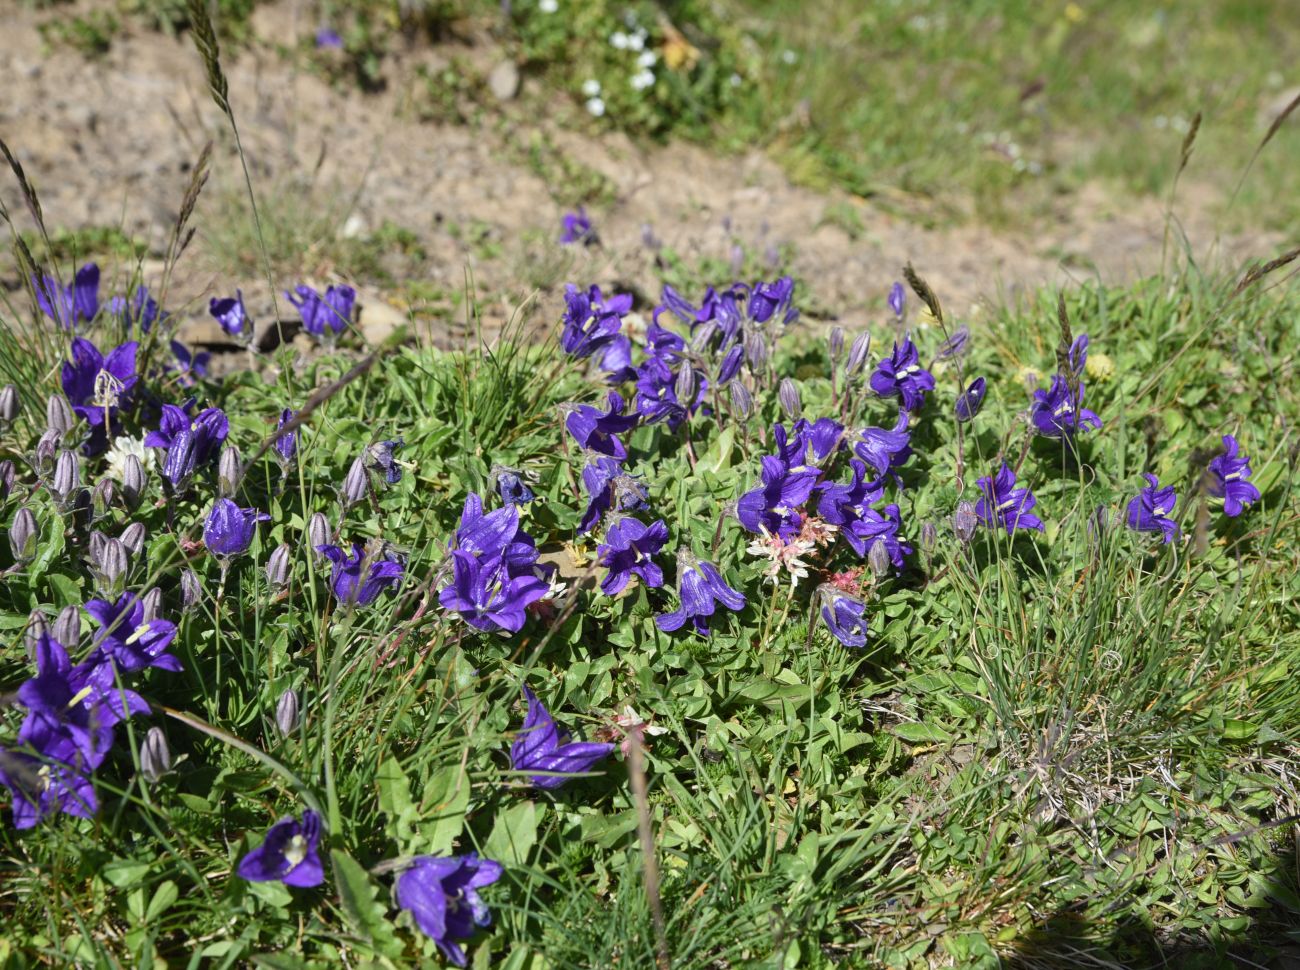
{"x": 122, "y": 447}
{"x": 618, "y": 40}
{"x": 596, "y": 107}
{"x": 646, "y": 59}
{"x": 590, "y": 87}
{"x": 642, "y": 80}
{"x": 548, "y": 6}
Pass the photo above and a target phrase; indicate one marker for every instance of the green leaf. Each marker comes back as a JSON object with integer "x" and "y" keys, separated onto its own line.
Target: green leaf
{"x": 1236, "y": 730}
{"x": 124, "y": 872}
{"x": 513, "y": 834}
{"x": 163, "y": 899}
{"x": 357, "y": 895}
{"x": 446, "y": 798}
{"x": 395, "y": 800}
{"x": 918, "y": 732}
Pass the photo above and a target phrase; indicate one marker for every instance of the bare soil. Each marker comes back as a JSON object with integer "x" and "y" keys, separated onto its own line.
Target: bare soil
{"x": 110, "y": 142}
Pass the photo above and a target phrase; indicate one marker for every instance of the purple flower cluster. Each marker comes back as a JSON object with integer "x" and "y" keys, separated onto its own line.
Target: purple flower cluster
{"x": 72, "y": 710}
{"x": 347, "y": 584}
{"x": 324, "y": 316}
{"x": 188, "y": 443}
{"x": 541, "y": 748}
{"x": 495, "y": 574}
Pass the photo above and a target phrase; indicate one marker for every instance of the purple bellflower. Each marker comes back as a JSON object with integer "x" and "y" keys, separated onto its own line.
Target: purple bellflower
{"x": 324, "y": 316}
{"x": 512, "y": 488}
{"x": 595, "y": 430}
{"x": 486, "y": 594}
{"x": 58, "y": 695}
{"x": 495, "y": 534}
{"x": 629, "y": 549}
{"x": 346, "y": 582}
{"x": 971, "y": 400}
{"x": 229, "y": 311}
{"x": 442, "y": 897}
{"x": 577, "y": 228}
{"x": 897, "y": 299}
{"x": 590, "y": 322}
{"x": 901, "y": 374}
{"x": 327, "y": 38}
{"x": 773, "y": 505}
{"x": 845, "y": 616}
{"x": 229, "y": 529}
{"x": 540, "y": 746}
{"x": 289, "y": 854}
{"x": 700, "y": 587}
{"x": 286, "y": 446}
{"x": 1057, "y": 413}
{"x": 1002, "y": 504}
{"x": 381, "y": 457}
{"x": 141, "y": 310}
{"x": 189, "y": 366}
{"x": 55, "y": 779}
{"x": 98, "y": 386}
{"x": 1078, "y": 356}
{"x": 126, "y": 641}
{"x": 72, "y": 305}
{"x": 884, "y": 451}
{"x": 1149, "y": 511}
{"x": 1230, "y": 479}
{"x": 609, "y": 487}
{"x": 955, "y": 345}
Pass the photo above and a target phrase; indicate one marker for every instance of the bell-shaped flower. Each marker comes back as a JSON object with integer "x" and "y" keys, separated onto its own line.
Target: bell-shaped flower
{"x": 229, "y": 529}
{"x": 1002, "y": 505}
{"x": 1149, "y": 511}
{"x": 845, "y": 616}
{"x": 127, "y": 640}
{"x": 346, "y": 582}
{"x": 487, "y": 596}
{"x": 442, "y": 897}
{"x": 577, "y": 228}
{"x": 774, "y": 504}
{"x": 971, "y": 400}
{"x": 885, "y": 450}
{"x": 590, "y": 322}
{"x": 72, "y": 305}
{"x": 324, "y": 316}
{"x": 541, "y": 747}
{"x": 595, "y": 430}
{"x": 1059, "y": 412}
{"x": 700, "y": 587}
{"x": 628, "y": 550}
{"x": 1230, "y": 479}
{"x": 608, "y": 488}
{"x": 97, "y": 386}
{"x": 230, "y": 313}
{"x": 55, "y": 779}
{"x": 289, "y": 854}
{"x": 901, "y": 374}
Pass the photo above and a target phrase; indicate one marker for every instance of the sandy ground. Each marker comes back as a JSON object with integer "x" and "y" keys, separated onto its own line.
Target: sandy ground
{"x": 111, "y": 142}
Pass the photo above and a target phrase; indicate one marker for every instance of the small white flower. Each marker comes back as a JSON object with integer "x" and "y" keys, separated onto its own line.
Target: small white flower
{"x": 618, "y": 40}
{"x": 789, "y": 56}
{"x": 642, "y": 80}
{"x": 637, "y": 41}
{"x": 590, "y": 87}
{"x": 646, "y": 59}
{"x": 736, "y": 80}
{"x": 548, "y": 6}
{"x": 596, "y": 107}
{"x": 123, "y": 446}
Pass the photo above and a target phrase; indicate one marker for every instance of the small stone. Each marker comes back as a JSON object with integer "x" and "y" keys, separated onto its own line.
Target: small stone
{"x": 503, "y": 82}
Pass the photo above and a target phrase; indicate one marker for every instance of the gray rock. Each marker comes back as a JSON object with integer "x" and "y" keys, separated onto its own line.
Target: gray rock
{"x": 503, "y": 82}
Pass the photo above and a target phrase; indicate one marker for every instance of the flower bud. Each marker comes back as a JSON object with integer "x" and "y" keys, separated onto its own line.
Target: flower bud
{"x": 133, "y": 537}
{"x": 964, "y": 522}
{"x": 788, "y": 395}
{"x": 191, "y": 591}
{"x": 181, "y": 457}
{"x": 133, "y": 481}
{"x": 755, "y": 349}
{"x": 9, "y": 403}
{"x": 730, "y": 365}
{"x": 858, "y": 351}
{"x": 878, "y": 560}
{"x": 836, "y": 343}
{"x": 897, "y": 297}
{"x": 46, "y": 449}
{"x": 155, "y": 756}
{"x": 23, "y": 535}
{"x": 356, "y": 484}
{"x": 955, "y": 345}
{"x": 6, "y": 478}
{"x": 277, "y": 566}
{"x": 742, "y": 402}
{"x": 929, "y": 537}
{"x": 67, "y": 628}
{"x": 95, "y": 545}
{"x": 684, "y": 386}
{"x": 101, "y": 497}
{"x": 59, "y": 416}
{"x": 66, "y": 479}
{"x": 37, "y": 627}
{"x": 286, "y": 713}
{"x": 230, "y": 470}
{"x": 318, "y": 532}
{"x": 111, "y": 566}
{"x": 151, "y": 604}
{"x": 703, "y": 335}
{"x": 971, "y": 400}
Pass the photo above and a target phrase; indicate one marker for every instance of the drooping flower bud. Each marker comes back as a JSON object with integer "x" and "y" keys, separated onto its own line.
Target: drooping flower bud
{"x": 23, "y": 535}
{"x": 151, "y": 604}
{"x": 101, "y": 497}
{"x": 277, "y": 566}
{"x": 788, "y": 395}
{"x": 955, "y": 345}
{"x": 155, "y": 756}
{"x": 67, "y": 628}
{"x": 6, "y": 478}
{"x": 685, "y": 385}
{"x": 230, "y": 470}
{"x": 111, "y": 567}
{"x": 46, "y": 449}
{"x": 286, "y": 713}
{"x": 836, "y": 343}
{"x": 730, "y": 365}
{"x": 356, "y": 484}
{"x": 741, "y": 400}
{"x": 66, "y": 479}
{"x": 191, "y": 591}
{"x": 95, "y": 545}
{"x": 318, "y": 532}
{"x": 703, "y": 335}
{"x": 133, "y": 537}
{"x": 134, "y": 481}
{"x": 755, "y": 349}
{"x": 59, "y": 416}
{"x": 9, "y": 403}
{"x": 964, "y": 522}
{"x": 37, "y": 627}
{"x": 929, "y": 537}
{"x": 971, "y": 400}
{"x": 286, "y": 446}
{"x": 858, "y": 352}
{"x": 897, "y": 297}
